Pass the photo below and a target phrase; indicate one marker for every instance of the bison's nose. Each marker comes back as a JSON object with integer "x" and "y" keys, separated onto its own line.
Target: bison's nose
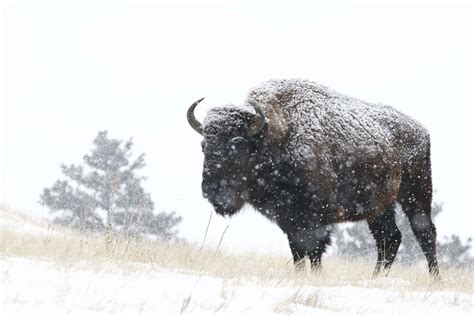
{"x": 208, "y": 189}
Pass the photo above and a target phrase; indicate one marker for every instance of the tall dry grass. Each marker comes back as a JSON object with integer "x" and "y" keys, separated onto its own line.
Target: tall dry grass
{"x": 25, "y": 238}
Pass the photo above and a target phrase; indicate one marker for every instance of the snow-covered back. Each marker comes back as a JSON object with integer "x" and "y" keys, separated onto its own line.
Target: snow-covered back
{"x": 309, "y": 115}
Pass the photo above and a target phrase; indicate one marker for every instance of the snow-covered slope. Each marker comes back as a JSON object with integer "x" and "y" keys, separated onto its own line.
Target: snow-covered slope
{"x": 41, "y": 281}
{"x": 33, "y": 286}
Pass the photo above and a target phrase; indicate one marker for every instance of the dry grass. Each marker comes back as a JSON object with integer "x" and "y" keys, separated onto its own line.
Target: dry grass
{"x": 24, "y": 238}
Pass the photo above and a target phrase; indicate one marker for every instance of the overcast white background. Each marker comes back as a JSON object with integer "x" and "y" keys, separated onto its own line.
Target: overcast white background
{"x": 70, "y": 70}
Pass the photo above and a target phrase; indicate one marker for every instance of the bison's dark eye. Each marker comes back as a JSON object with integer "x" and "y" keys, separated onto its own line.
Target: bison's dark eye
{"x": 236, "y": 144}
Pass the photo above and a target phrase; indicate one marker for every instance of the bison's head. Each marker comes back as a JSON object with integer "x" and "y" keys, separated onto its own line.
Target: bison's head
{"x": 231, "y": 145}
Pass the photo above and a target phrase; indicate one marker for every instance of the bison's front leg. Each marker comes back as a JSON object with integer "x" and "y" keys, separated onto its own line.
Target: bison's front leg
{"x": 322, "y": 239}
{"x": 310, "y": 243}
{"x": 297, "y": 252}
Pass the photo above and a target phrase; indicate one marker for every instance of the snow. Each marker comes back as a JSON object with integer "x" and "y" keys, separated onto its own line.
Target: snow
{"x": 44, "y": 287}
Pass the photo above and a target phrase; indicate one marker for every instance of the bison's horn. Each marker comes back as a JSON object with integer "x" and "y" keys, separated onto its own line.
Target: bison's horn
{"x": 257, "y": 125}
{"x": 192, "y": 119}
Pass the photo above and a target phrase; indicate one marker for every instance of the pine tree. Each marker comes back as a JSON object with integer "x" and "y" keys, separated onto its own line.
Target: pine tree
{"x": 105, "y": 193}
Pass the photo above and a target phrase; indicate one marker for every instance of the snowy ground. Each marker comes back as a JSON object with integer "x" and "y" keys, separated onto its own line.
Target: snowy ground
{"x": 48, "y": 283}
{"x": 45, "y": 287}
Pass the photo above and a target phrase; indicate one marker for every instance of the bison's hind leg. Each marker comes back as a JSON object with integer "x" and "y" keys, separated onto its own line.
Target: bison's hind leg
{"x": 415, "y": 198}
{"x": 387, "y": 238}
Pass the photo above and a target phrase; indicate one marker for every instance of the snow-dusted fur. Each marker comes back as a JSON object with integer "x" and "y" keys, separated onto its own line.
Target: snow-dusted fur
{"x": 321, "y": 158}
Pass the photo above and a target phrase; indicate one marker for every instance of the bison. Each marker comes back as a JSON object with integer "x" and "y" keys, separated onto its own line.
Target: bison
{"x": 308, "y": 157}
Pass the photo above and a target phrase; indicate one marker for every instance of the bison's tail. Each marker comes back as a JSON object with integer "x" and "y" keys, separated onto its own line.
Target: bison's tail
{"x": 415, "y": 199}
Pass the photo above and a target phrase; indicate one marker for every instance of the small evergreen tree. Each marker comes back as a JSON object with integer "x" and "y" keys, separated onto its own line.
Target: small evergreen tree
{"x": 355, "y": 240}
{"x": 106, "y": 194}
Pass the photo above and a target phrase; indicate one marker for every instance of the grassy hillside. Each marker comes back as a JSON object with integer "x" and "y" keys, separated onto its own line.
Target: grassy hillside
{"x": 20, "y": 237}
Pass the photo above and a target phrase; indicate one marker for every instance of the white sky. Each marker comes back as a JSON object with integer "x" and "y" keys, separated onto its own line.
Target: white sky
{"x": 70, "y": 70}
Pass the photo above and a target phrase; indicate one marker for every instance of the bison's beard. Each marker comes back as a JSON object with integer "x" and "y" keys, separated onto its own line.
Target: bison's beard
{"x": 226, "y": 202}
